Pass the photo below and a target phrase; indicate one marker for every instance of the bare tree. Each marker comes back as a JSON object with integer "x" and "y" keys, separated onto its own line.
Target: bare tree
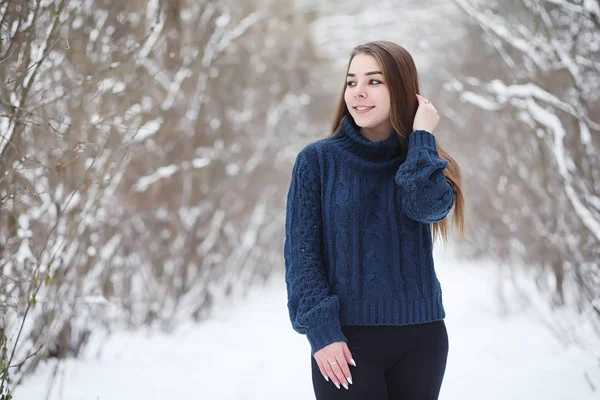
{"x": 141, "y": 161}
{"x": 539, "y": 150}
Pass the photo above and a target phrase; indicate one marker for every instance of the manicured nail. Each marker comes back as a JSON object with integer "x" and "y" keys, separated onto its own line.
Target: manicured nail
{"x": 337, "y": 385}
{"x": 326, "y": 378}
{"x": 345, "y": 385}
{"x": 349, "y": 380}
{"x": 353, "y": 362}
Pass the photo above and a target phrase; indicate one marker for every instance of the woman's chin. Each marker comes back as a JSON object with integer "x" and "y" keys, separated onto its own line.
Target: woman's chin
{"x": 364, "y": 122}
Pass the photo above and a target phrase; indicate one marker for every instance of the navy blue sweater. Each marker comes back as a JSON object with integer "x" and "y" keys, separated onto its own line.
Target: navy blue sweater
{"x": 358, "y": 245}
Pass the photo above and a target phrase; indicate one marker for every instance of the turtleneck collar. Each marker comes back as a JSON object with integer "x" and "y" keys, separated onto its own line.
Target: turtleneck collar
{"x": 366, "y": 153}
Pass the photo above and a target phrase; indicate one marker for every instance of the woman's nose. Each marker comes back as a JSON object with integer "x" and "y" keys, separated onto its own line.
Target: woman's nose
{"x": 360, "y": 94}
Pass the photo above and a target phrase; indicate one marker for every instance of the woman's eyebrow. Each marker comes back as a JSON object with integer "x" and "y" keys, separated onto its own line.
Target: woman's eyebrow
{"x": 366, "y": 73}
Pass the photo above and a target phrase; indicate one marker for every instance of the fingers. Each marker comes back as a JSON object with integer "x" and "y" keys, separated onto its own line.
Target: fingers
{"x": 333, "y": 363}
{"x": 346, "y": 377}
{"x": 347, "y": 354}
{"x": 337, "y": 368}
{"x": 427, "y": 105}
{"x": 331, "y": 373}
{"x": 423, "y": 101}
{"x": 322, "y": 369}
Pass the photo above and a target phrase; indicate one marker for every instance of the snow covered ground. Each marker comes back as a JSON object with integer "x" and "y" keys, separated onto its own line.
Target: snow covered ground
{"x": 251, "y": 352}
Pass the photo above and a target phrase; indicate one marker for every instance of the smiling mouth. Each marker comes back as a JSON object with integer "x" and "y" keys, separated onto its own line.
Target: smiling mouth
{"x": 363, "y": 109}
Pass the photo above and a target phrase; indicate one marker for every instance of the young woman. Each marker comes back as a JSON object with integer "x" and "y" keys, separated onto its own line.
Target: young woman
{"x": 363, "y": 210}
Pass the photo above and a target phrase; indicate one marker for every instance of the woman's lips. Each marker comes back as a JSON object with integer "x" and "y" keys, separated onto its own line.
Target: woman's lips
{"x": 363, "y": 109}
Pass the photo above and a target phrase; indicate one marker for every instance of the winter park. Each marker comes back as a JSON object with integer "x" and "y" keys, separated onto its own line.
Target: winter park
{"x": 232, "y": 199}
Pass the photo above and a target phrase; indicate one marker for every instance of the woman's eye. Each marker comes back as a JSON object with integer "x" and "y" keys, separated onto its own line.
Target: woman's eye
{"x": 371, "y": 82}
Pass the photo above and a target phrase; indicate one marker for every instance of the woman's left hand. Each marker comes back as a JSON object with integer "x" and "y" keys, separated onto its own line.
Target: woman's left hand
{"x": 427, "y": 116}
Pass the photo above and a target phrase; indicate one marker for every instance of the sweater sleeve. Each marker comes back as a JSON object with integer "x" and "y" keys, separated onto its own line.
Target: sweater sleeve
{"x": 313, "y": 310}
{"x": 427, "y": 196}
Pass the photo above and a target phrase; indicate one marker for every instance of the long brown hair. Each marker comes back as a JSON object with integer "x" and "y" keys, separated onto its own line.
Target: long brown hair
{"x": 400, "y": 73}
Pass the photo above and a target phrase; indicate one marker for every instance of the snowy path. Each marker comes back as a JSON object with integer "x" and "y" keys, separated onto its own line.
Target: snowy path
{"x": 252, "y": 353}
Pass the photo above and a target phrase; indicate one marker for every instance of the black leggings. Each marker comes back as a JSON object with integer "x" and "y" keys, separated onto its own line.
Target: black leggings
{"x": 392, "y": 362}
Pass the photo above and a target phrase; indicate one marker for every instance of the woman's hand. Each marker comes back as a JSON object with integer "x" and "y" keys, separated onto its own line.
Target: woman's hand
{"x": 426, "y": 117}
{"x": 333, "y": 361}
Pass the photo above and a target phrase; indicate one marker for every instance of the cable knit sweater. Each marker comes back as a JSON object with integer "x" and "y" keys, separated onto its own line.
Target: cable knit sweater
{"x": 358, "y": 246}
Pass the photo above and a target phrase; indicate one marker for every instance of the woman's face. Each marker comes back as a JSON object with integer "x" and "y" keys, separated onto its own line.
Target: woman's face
{"x": 367, "y": 96}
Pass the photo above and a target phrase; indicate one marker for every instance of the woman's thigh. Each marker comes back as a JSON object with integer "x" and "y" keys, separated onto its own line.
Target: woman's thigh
{"x": 368, "y": 347}
{"x": 392, "y": 362}
{"x": 419, "y": 372}
{"x": 368, "y": 382}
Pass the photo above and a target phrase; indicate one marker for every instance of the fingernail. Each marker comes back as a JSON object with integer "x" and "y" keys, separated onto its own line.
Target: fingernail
{"x": 349, "y": 380}
{"x": 337, "y": 385}
{"x": 345, "y": 385}
{"x": 326, "y": 378}
{"x": 353, "y": 362}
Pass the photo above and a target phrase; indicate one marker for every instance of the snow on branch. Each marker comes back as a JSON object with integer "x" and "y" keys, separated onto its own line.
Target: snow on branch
{"x": 588, "y": 217}
{"x": 166, "y": 172}
{"x": 527, "y": 44}
{"x": 528, "y": 94}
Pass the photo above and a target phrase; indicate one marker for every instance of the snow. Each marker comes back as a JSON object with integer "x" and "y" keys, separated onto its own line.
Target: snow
{"x": 175, "y": 87}
{"x": 480, "y": 101}
{"x": 161, "y": 173}
{"x": 248, "y": 350}
{"x": 155, "y": 24}
{"x": 526, "y": 44}
{"x": 148, "y": 129}
{"x": 200, "y": 162}
{"x": 425, "y": 29}
{"x": 544, "y": 117}
{"x": 5, "y": 136}
{"x": 592, "y": 7}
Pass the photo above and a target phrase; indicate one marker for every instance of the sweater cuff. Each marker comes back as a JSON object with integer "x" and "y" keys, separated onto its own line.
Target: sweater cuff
{"x": 323, "y": 335}
{"x": 421, "y": 138}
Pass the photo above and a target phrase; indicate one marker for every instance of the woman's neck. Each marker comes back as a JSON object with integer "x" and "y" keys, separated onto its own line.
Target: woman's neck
{"x": 366, "y": 154}
{"x": 377, "y": 133}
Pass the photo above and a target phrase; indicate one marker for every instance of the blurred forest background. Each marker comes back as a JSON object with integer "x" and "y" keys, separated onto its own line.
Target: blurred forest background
{"x": 146, "y": 147}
